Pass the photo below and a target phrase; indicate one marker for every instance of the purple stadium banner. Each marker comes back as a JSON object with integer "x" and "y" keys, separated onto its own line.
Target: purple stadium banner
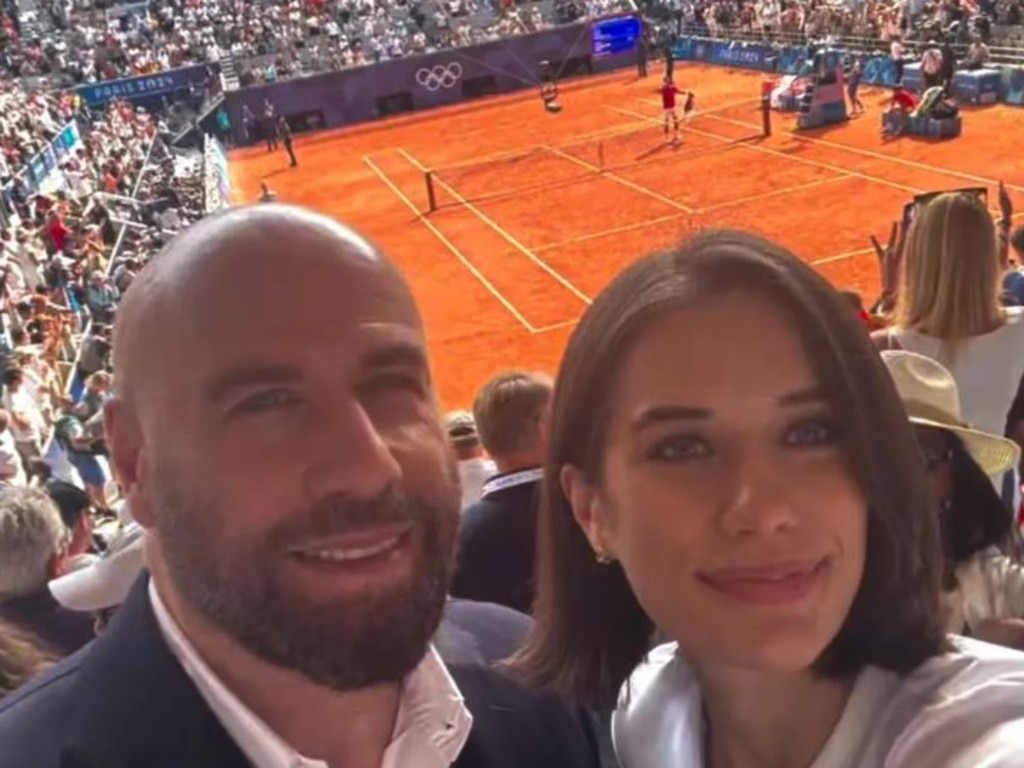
{"x": 362, "y": 94}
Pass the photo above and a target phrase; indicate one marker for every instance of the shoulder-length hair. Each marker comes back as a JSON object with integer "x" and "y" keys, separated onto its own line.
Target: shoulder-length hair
{"x": 950, "y": 278}
{"x": 977, "y": 519}
{"x": 590, "y": 630}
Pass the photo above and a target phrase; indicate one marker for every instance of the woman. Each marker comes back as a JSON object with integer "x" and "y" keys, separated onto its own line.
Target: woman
{"x": 948, "y": 306}
{"x": 983, "y": 589}
{"x": 729, "y": 462}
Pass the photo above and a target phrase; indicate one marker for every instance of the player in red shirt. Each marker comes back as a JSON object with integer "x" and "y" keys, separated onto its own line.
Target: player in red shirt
{"x": 668, "y": 104}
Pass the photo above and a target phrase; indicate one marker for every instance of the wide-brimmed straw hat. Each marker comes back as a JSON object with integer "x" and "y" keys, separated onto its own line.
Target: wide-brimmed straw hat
{"x": 106, "y": 582}
{"x": 930, "y": 395}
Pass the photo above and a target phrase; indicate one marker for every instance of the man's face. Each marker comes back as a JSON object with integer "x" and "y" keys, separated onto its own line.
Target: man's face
{"x": 293, "y": 470}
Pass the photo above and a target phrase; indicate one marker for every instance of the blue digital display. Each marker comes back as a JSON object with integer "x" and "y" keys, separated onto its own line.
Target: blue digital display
{"x": 611, "y": 37}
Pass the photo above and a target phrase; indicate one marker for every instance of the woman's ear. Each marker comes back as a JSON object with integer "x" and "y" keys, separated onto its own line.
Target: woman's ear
{"x": 588, "y": 509}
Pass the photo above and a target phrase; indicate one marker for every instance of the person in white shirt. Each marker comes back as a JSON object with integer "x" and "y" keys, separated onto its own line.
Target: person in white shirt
{"x": 475, "y": 468}
{"x": 730, "y": 464}
{"x": 898, "y": 54}
{"x": 12, "y": 470}
{"x": 26, "y": 423}
{"x": 300, "y": 504}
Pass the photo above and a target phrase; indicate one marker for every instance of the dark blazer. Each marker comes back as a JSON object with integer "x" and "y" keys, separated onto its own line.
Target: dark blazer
{"x": 125, "y": 702}
{"x": 497, "y": 543}
{"x": 480, "y": 634}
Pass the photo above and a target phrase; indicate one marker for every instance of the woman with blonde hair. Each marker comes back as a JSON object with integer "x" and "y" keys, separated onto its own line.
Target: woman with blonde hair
{"x": 729, "y": 463}
{"x": 948, "y": 306}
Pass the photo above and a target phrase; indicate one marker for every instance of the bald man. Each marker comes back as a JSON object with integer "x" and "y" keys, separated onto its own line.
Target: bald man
{"x": 275, "y": 431}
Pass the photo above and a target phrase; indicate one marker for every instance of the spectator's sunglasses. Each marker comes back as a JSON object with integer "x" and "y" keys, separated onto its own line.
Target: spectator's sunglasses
{"x": 935, "y": 450}
{"x": 978, "y": 193}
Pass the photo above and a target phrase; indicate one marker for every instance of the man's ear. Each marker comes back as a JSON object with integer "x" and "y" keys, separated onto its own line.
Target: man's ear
{"x": 589, "y": 510}
{"x": 127, "y": 457}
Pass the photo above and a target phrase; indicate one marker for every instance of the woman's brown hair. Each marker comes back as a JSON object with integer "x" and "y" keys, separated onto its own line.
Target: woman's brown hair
{"x": 590, "y": 630}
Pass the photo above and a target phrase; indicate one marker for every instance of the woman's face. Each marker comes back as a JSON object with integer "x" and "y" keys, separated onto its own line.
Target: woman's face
{"x": 938, "y": 458}
{"x": 726, "y": 496}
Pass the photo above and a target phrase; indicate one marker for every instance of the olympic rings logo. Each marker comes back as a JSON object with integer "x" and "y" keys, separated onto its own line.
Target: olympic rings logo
{"x": 440, "y": 76}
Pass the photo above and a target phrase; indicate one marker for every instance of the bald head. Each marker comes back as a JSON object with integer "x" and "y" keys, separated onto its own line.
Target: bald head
{"x": 274, "y": 400}
{"x": 249, "y": 259}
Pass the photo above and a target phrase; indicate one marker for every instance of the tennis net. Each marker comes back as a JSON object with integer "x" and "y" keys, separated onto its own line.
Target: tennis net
{"x": 548, "y": 166}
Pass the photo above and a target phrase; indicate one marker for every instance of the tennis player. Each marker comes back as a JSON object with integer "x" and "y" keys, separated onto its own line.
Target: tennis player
{"x": 668, "y": 105}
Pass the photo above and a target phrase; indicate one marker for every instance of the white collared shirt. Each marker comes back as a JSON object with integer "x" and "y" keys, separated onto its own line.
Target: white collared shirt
{"x": 431, "y": 729}
{"x": 961, "y": 709}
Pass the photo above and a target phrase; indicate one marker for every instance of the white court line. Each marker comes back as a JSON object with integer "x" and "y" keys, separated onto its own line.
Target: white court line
{"x": 869, "y": 153}
{"x": 777, "y": 153}
{"x": 561, "y": 279}
{"x": 777, "y": 192}
{"x": 624, "y": 182}
{"x": 448, "y": 244}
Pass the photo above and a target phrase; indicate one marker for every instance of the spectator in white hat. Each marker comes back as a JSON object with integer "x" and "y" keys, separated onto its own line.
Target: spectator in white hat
{"x": 100, "y": 588}
{"x": 983, "y": 588}
{"x": 474, "y": 466}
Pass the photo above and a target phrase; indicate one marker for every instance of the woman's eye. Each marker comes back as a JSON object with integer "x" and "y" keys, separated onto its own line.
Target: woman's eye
{"x": 266, "y": 401}
{"x": 680, "y": 448}
{"x": 811, "y": 433}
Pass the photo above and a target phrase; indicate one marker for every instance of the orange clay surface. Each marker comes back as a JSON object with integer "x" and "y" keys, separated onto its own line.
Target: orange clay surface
{"x": 529, "y": 228}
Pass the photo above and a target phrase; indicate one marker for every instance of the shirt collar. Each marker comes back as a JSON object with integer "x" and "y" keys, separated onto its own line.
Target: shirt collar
{"x": 431, "y": 728}
{"x": 512, "y": 480}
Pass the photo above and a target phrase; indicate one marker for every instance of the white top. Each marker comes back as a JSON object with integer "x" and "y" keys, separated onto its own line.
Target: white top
{"x": 22, "y": 404}
{"x": 964, "y": 709}
{"x": 473, "y": 473}
{"x": 430, "y": 731}
{"x": 987, "y": 368}
{"x": 989, "y": 586}
{"x": 11, "y": 470}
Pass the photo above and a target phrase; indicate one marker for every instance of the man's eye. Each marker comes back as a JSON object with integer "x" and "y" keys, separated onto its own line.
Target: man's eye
{"x": 266, "y": 401}
{"x": 394, "y": 381}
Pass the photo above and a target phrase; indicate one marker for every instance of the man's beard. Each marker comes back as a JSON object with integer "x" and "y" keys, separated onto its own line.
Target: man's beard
{"x": 345, "y": 644}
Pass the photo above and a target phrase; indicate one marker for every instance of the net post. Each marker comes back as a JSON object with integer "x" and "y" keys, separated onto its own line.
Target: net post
{"x": 431, "y": 201}
{"x": 766, "y": 107}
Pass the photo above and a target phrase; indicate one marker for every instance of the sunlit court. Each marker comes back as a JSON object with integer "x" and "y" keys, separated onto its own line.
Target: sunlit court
{"x": 508, "y": 219}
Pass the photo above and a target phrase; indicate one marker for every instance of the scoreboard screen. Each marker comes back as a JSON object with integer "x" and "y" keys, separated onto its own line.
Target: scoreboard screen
{"x": 614, "y": 36}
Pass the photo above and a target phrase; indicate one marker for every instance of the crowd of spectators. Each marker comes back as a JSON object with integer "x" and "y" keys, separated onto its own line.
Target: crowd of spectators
{"x": 120, "y": 187}
{"x": 269, "y": 40}
{"x": 885, "y": 20}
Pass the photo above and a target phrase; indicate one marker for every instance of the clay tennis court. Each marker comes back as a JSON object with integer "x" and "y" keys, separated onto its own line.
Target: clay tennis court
{"x": 535, "y": 212}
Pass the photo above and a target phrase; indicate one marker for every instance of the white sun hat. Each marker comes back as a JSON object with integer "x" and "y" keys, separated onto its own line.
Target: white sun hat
{"x": 930, "y": 395}
{"x": 106, "y": 582}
